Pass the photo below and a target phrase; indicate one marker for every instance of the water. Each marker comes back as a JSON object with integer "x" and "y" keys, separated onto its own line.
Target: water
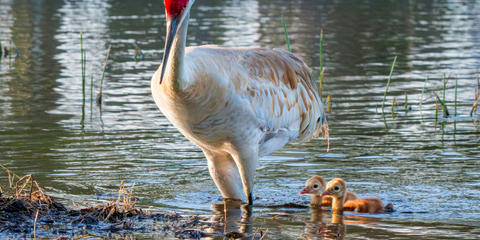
{"x": 430, "y": 171}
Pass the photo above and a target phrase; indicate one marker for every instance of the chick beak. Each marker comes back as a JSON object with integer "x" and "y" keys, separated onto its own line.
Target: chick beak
{"x": 325, "y": 193}
{"x": 305, "y": 190}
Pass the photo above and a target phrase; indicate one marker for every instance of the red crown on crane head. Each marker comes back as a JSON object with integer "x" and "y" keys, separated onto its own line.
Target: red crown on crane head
{"x": 175, "y": 7}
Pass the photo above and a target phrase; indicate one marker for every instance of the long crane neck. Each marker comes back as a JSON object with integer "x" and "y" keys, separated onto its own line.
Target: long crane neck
{"x": 174, "y": 76}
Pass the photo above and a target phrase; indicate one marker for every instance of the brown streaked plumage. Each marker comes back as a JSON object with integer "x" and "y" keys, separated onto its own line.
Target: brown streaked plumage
{"x": 337, "y": 189}
{"x": 236, "y": 104}
{"x": 315, "y": 186}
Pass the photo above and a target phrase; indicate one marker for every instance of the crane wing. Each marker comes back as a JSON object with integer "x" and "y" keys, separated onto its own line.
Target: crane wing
{"x": 277, "y": 86}
{"x": 282, "y": 93}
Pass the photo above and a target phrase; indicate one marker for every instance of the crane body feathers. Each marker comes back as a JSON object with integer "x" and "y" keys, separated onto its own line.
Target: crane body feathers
{"x": 226, "y": 91}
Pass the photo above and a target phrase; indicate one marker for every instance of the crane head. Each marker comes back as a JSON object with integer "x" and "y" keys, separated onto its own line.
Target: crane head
{"x": 176, "y": 12}
{"x": 314, "y": 186}
{"x": 175, "y": 7}
{"x": 335, "y": 188}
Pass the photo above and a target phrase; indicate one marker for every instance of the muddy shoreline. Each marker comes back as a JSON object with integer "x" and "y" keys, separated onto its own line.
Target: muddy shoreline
{"x": 26, "y": 211}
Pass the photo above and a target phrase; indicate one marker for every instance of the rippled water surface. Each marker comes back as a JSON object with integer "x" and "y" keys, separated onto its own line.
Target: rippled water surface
{"x": 429, "y": 170}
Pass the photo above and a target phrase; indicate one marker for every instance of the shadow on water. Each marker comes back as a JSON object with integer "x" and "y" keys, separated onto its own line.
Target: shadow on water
{"x": 429, "y": 171}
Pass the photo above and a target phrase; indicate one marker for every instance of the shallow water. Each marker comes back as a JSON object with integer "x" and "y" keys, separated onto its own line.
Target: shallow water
{"x": 430, "y": 171}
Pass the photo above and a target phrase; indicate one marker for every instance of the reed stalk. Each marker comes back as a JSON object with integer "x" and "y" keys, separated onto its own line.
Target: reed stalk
{"x": 83, "y": 59}
{"x": 394, "y": 103}
{"x": 475, "y": 102}
{"x": 321, "y": 50}
{"x": 286, "y": 33}
{"x": 444, "y": 89}
{"x": 91, "y": 95}
{"x": 421, "y": 98}
{"x": 100, "y": 93}
{"x": 444, "y": 106}
{"x": 456, "y": 92}
{"x": 388, "y": 83}
{"x": 329, "y": 102}
{"x": 406, "y": 103}
{"x": 322, "y": 70}
{"x": 83, "y": 63}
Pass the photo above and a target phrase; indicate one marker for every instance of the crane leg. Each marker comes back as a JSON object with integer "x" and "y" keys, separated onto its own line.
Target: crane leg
{"x": 246, "y": 160}
{"x": 225, "y": 174}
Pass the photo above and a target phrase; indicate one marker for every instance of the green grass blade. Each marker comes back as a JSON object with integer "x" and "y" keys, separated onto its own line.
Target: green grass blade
{"x": 406, "y": 103}
{"x": 83, "y": 63}
{"x": 421, "y": 98}
{"x": 388, "y": 83}
{"x": 456, "y": 92}
{"x": 321, "y": 50}
{"x": 444, "y": 106}
{"x": 286, "y": 33}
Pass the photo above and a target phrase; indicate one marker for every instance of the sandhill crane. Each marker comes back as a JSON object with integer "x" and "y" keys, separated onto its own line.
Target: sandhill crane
{"x": 236, "y": 104}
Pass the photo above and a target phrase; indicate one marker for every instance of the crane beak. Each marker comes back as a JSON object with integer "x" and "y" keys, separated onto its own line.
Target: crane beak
{"x": 325, "y": 193}
{"x": 172, "y": 27}
{"x": 173, "y": 23}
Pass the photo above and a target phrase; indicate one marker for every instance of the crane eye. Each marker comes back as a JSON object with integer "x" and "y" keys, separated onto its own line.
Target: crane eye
{"x": 315, "y": 186}
{"x": 336, "y": 188}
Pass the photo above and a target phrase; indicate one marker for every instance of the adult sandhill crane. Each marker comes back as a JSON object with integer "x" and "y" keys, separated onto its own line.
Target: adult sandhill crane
{"x": 236, "y": 104}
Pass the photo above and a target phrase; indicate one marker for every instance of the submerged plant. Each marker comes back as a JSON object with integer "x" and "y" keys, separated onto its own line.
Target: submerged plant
{"x": 138, "y": 54}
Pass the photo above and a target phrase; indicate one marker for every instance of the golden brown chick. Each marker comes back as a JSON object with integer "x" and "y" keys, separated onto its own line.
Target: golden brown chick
{"x": 314, "y": 187}
{"x": 337, "y": 189}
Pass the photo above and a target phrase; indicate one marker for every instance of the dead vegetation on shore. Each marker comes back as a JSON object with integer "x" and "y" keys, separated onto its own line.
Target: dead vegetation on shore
{"x": 26, "y": 211}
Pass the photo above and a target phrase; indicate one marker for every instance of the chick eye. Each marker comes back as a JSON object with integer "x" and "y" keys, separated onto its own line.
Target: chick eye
{"x": 336, "y": 188}
{"x": 315, "y": 186}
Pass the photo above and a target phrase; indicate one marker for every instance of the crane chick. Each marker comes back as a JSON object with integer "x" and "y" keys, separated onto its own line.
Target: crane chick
{"x": 337, "y": 189}
{"x": 315, "y": 186}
